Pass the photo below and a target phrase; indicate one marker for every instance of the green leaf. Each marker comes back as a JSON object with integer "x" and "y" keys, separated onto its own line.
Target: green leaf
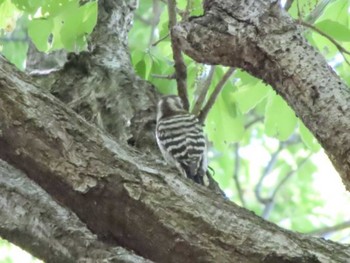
{"x": 8, "y": 13}
{"x": 222, "y": 166}
{"x": 244, "y": 78}
{"x": 136, "y": 56}
{"x": 16, "y": 53}
{"x": 67, "y": 22}
{"x": 221, "y": 127}
{"x": 337, "y": 11}
{"x": 280, "y": 119}
{"x": 344, "y": 71}
{"x": 28, "y": 6}
{"x": 140, "y": 68}
{"x": 197, "y": 8}
{"x": 334, "y": 30}
{"x": 302, "y": 7}
{"x": 89, "y": 17}
{"x": 163, "y": 24}
{"x": 55, "y": 7}
{"x": 306, "y": 171}
{"x": 39, "y": 30}
{"x": 148, "y": 65}
{"x": 77, "y": 22}
{"x": 307, "y": 137}
{"x": 248, "y": 97}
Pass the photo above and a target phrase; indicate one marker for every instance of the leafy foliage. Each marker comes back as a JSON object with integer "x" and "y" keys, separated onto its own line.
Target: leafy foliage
{"x": 50, "y": 24}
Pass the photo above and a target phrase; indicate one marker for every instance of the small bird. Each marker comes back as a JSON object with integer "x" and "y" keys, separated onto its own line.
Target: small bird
{"x": 181, "y": 139}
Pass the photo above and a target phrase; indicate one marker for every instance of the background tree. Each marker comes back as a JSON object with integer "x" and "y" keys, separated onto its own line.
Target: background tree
{"x": 109, "y": 177}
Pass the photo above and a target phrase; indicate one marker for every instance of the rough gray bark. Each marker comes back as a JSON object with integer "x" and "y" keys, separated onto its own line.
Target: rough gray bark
{"x": 261, "y": 38}
{"x": 33, "y": 220}
{"x": 117, "y": 190}
{"x": 101, "y": 84}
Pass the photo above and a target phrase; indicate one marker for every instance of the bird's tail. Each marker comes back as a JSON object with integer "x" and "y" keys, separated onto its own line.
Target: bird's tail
{"x": 195, "y": 173}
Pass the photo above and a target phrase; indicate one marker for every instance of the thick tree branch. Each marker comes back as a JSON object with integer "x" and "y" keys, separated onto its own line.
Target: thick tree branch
{"x": 117, "y": 191}
{"x": 126, "y": 199}
{"x": 31, "y": 219}
{"x": 262, "y": 38}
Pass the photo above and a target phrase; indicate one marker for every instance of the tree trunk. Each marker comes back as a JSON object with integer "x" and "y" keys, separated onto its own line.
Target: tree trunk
{"x": 71, "y": 191}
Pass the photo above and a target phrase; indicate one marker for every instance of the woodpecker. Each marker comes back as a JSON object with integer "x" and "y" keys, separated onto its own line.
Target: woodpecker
{"x": 181, "y": 139}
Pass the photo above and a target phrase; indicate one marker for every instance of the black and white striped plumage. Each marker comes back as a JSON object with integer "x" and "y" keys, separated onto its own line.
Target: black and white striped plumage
{"x": 181, "y": 140}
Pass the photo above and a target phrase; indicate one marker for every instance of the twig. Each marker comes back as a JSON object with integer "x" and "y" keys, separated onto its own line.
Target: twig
{"x": 178, "y": 11}
{"x": 288, "y": 4}
{"x": 14, "y": 39}
{"x": 172, "y": 76}
{"x": 253, "y": 121}
{"x": 236, "y": 175}
{"x": 143, "y": 20}
{"x": 269, "y": 206}
{"x": 203, "y": 90}
{"x": 160, "y": 40}
{"x": 266, "y": 172}
{"x": 338, "y": 46}
{"x": 187, "y": 11}
{"x": 180, "y": 67}
{"x": 298, "y": 8}
{"x": 269, "y": 167}
{"x": 157, "y": 11}
{"x": 330, "y": 229}
{"x": 318, "y": 11}
{"x": 203, "y": 114}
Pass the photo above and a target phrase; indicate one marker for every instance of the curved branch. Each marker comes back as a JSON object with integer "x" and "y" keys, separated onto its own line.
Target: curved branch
{"x": 28, "y": 213}
{"x": 273, "y": 49}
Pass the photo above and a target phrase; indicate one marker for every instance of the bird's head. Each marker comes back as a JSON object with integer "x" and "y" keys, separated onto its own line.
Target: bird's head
{"x": 168, "y": 106}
